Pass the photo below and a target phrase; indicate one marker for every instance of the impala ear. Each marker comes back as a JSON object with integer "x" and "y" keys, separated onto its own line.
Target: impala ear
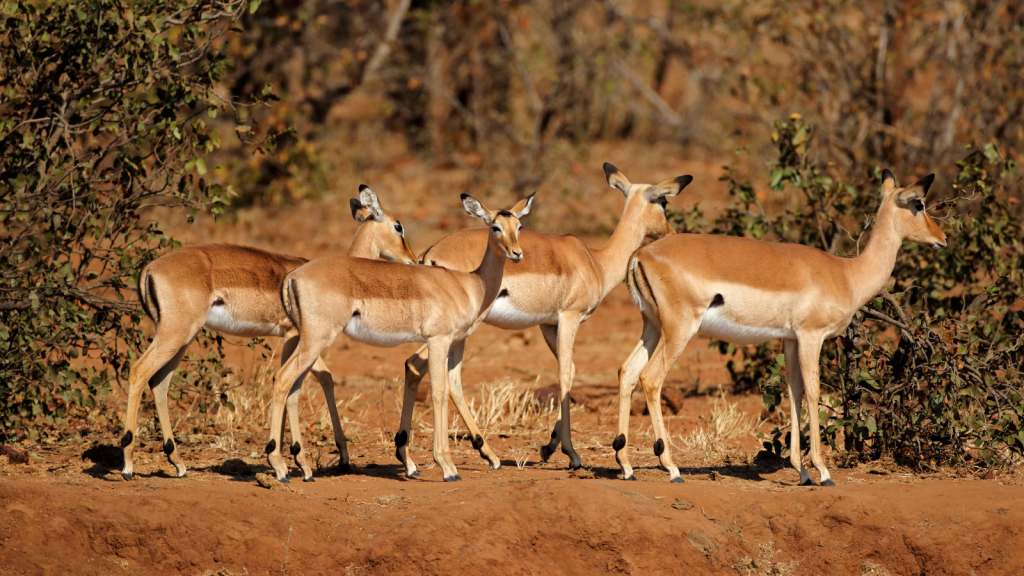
{"x": 668, "y": 187}
{"x": 522, "y": 208}
{"x": 888, "y": 182}
{"x": 359, "y": 212}
{"x": 369, "y": 201}
{"x": 616, "y": 179}
{"x": 475, "y": 208}
{"x": 918, "y": 190}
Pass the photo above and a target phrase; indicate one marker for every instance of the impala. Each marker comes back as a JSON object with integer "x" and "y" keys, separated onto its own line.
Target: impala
{"x": 747, "y": 292}
{"x": 557, "y": 288}
{"x": 235, "y": 290}
{"x": 386, "y": 304}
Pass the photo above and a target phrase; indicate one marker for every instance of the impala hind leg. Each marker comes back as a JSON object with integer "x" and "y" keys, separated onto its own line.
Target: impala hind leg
{"x": 437, "y": 350}
{"x": 652, "y": 377}
{"x": 563, "y": 341}
{"x": 455, "y": 391}
{"x": 415, "y": 369}
{"x": 155, "y": 367}
{"x": 288, "y": 382}
{"x": 810, "y": 352}
{"x": 323, "y": 375}
{"x": 794, "y": 377}
{"x": 629, "y": 375}
{"x": 292, "y": 412}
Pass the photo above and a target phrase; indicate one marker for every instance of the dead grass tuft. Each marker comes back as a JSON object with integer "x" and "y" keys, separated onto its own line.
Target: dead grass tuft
{"x": 726, "y": 422}
{"x": 763, "y": 565}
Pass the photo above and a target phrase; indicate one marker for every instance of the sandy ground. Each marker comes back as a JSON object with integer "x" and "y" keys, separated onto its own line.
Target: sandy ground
{"x": 736, "y": 514}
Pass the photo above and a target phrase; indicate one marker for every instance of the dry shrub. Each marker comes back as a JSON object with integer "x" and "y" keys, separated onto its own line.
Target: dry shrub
{"x": 726, "y": 422}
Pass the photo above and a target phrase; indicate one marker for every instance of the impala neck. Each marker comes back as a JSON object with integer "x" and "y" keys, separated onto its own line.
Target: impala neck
{"x": 490, "y": 272}
{"x": 613, "y": 257}
{"x": 870, "y": 272}
{"x": 364, "y": 244}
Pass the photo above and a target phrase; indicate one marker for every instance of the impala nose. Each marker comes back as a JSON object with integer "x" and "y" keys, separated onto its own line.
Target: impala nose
{"x": 938, "y": 245}
{"x": 517, "y": 256}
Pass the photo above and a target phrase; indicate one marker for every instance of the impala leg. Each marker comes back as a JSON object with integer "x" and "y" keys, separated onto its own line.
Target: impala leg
{"x": 564, "y": 341}
{"x": 652, "y": 377}
{"x": 455, "y": 387}
{"x": 437, "y": 350}
{"x": 794, "y": 378}
{"x": 160, "y": 390}
{"x": 155, "y": 365}
{"x": 293, "y": 411}
{"x": 629, "y": 374}
{"x": 323, "y": 375}
{"x": 550, "y": 333}
{"x": 288, "y": 381}
{"x": 810, "y": 351}
{"x": 415, "y": 369}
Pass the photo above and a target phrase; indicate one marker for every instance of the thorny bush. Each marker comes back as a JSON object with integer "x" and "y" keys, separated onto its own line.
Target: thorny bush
{"x": 103, "y": 111}
{"x": 929, "y": 372}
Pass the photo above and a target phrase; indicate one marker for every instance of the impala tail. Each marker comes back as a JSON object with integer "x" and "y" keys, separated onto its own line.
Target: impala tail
{"x": 640, "y": 288}
{"x": 290, "y": 301}
{"x": 147, "y": 295}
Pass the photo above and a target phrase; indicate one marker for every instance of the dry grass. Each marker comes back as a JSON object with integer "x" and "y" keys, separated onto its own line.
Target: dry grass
{"x": 725, "y": 422}
{"x": 763, "y": 565}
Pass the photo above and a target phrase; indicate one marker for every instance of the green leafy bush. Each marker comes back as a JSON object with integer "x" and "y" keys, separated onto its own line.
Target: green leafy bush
{"x": 931, "y": 371}
{"x": 103, "y": 111}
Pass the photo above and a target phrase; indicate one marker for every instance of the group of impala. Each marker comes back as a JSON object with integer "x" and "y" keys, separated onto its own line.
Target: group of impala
{"x": 727, "y": 288}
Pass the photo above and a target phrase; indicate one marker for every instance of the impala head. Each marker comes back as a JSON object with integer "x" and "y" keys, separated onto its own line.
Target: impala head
{"x": 504, "y": 224}
{"x": 649, "y": 200}
{"x": 911, "y": 219}
{"x": 379, "y": 229}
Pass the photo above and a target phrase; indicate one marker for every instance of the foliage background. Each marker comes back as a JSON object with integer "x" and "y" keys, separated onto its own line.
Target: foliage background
{"x": 497, "y": 97}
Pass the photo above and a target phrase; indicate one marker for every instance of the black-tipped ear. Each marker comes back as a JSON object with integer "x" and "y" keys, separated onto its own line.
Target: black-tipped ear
{"x": 355, "y": 205}
{"x": 888, "y": 175}
{"x": 888, "y": 182}
{"x": 926, "y": 182}
{"x": 463, "y": 197}
{"x": 683, "y": 181}
{"x": 609, "y": 169}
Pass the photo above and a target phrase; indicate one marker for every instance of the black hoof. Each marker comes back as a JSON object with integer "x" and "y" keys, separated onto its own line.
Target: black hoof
{"x": 545, "y": 453}
{"x": 455, "y": 478}
{"x": 678, "y": 480}
{"x": 807, "y": 482}
{"x": 828, "y": 482}
{"x": 310, "y": 479}
{"x": 415, "y": 474}
{"x": 344, "y": 467}
{"x": 576, "y": 467}
{"x": 286, "y": 480}
{"x": 632, "y": 478}
{"x": 126, "y": 476}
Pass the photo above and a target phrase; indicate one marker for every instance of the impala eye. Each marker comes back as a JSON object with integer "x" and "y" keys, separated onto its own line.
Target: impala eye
{"x": 496, "y": 229}
{"x": 398, "y": 227}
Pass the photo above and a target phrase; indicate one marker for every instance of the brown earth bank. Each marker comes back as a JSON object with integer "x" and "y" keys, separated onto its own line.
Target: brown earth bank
{"x": 537, "y": 520}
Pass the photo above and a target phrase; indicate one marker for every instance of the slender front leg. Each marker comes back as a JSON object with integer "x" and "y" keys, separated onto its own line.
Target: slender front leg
{"x": 568, "y": 324}
{"x": 810, "y": 352}
{"x": 323, "y": 375}
{"x": 795, "y": 380}
{"x": 550, "y": 333}
{"x": 455, "y": 355}
{"x": 437, "y": 350}
{"x": 629, "y": 374}
{"x": 156, "y": 365}
{"x": 415, "y": 369}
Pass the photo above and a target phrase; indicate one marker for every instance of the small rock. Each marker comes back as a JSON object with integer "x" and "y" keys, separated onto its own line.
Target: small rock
{"x": 270, "y": 483}
{"x": 673, "y": 399}
{"x": 714, "y": 476}
{"x": 13, "y": 456}
{"x": 701, "y": 542}
{"x": 682, "y": 504}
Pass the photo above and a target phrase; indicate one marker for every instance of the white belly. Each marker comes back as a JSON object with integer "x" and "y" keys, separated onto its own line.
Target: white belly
{"x": 360, "y": 333}
{"x": 219, "y": 320}
{"x": 503, "y": 315}
{"x": 716, "y": 327}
